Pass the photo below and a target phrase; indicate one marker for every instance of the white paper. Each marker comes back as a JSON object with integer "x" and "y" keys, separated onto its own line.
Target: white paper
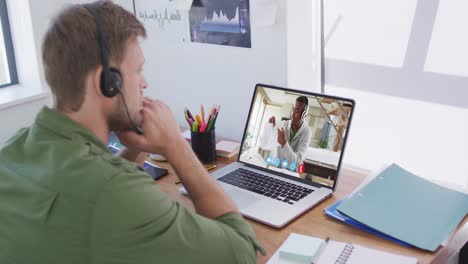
{"x": 266, "y": 12}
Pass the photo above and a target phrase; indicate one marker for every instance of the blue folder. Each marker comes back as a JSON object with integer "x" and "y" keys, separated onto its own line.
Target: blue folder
{"x": 335, "y": 214}
{"x": 407, "y": 207}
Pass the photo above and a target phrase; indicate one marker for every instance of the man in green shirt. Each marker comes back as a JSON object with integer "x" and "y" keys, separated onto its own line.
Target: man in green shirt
{"x": 64, "y": 198}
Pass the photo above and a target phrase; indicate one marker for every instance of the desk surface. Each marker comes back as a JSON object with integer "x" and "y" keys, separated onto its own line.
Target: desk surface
{"x": 315, "y": 223}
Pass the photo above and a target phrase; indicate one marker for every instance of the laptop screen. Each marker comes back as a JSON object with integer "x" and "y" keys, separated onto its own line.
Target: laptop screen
{"x": 297, "y": 133}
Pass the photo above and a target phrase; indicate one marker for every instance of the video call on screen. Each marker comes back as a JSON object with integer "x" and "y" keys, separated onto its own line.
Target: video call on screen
{"x": 314, "y": 157}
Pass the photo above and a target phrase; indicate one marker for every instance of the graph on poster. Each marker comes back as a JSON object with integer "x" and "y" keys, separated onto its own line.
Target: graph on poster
{"x": 161, "y": 19}
{"x": 166, "y": 20}
{"x": 220, "y": 22}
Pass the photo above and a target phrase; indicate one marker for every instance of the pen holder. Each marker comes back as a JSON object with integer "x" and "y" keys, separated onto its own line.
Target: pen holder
{"x": 204, "y": 146}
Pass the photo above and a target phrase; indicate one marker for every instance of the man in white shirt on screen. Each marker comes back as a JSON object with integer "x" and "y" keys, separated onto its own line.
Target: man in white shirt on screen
{"x": 294, "y": 135}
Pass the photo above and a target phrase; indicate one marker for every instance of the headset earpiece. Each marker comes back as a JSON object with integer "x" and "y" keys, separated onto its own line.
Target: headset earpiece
{"x": 112, "y": 83}
{"x": 305, "y": 111}
{"x": 116, "y": 78}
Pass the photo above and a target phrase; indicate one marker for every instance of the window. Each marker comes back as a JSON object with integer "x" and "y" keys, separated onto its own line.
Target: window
{"x": 8, "y": 74}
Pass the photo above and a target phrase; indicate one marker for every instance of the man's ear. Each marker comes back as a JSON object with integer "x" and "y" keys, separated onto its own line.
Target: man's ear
{"x": 95, "y": 80}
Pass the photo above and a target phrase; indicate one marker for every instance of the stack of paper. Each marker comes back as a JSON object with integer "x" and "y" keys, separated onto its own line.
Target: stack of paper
{"x": 407, "y": 208}
{"x": 300, "y": 248}
{"x": 227, "y": 149}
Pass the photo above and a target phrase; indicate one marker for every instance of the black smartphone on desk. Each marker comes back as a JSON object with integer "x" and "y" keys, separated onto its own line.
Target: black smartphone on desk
{"x": 155, "y": 171}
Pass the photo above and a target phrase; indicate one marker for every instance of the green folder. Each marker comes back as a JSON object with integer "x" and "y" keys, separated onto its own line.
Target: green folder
{"x": 407, "y": 207}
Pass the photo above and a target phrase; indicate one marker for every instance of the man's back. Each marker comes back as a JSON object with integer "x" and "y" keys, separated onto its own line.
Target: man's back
{"x": 64, "y": 198}
{"x": 48, "y": 188}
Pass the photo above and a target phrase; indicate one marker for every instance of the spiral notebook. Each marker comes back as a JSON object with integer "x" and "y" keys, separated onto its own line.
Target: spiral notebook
{"x": 335, "y": 252}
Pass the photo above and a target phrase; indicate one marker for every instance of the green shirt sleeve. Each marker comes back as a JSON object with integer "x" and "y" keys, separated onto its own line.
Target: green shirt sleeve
{"x": 135, "y": 222}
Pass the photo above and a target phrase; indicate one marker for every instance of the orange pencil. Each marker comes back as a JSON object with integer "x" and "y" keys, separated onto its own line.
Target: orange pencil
{"x": 202, "y": 113}
{"x": 198, "y": 119}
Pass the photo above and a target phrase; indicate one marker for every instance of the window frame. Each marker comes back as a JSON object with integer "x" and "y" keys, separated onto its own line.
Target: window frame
{"x": 8, "y": 41}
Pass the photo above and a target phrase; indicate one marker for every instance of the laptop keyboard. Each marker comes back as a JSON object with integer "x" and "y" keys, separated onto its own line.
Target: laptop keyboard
{"x": 267, "y": 186}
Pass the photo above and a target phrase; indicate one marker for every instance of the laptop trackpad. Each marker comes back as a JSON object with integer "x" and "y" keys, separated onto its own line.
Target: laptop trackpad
{"x": 242, "y": 199}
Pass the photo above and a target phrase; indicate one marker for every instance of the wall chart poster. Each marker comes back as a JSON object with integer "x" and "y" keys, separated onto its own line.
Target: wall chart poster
{"x": 220, "y": 22}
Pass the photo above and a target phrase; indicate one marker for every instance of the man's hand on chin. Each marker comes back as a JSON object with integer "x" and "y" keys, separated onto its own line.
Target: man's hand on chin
{"x": 162, "y": 133}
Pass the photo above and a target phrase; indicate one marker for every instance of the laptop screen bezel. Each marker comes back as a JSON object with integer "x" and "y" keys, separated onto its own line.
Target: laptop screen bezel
{"x": 308, "y": 182}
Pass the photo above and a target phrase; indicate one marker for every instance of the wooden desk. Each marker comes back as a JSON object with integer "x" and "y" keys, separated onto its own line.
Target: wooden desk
{"x": 314, "y": 222}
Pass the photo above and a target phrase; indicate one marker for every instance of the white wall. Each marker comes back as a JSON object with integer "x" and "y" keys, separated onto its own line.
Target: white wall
{"x": 404, "y": 62}
{"x": 19, "y": 116}
{"x": 190, "y": 74}
{"x": 304, "y": 44}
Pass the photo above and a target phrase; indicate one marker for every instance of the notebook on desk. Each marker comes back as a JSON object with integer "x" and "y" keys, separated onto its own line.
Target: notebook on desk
{"x": 227, "y": 149}
{"x": 332, "y": 252}
{"x": 271, "y": 184}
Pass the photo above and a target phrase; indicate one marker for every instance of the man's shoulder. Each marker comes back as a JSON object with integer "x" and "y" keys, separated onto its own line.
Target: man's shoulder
{"x": 94, "y": 160}
{"x": 88, "y": 169}
{"x": 64, "y": 164}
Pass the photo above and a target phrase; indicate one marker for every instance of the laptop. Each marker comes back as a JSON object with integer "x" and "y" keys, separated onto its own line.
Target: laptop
{"x": 274, "y": 183}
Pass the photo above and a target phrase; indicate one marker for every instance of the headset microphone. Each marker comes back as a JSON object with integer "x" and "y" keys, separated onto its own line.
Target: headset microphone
{"x": 136, "y": 128}
{"x": 111, "y": 78}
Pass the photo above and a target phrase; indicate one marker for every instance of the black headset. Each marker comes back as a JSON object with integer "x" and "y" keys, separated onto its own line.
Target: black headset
{"x": 305, "y": 111}
{"x": 111, "y": 78}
